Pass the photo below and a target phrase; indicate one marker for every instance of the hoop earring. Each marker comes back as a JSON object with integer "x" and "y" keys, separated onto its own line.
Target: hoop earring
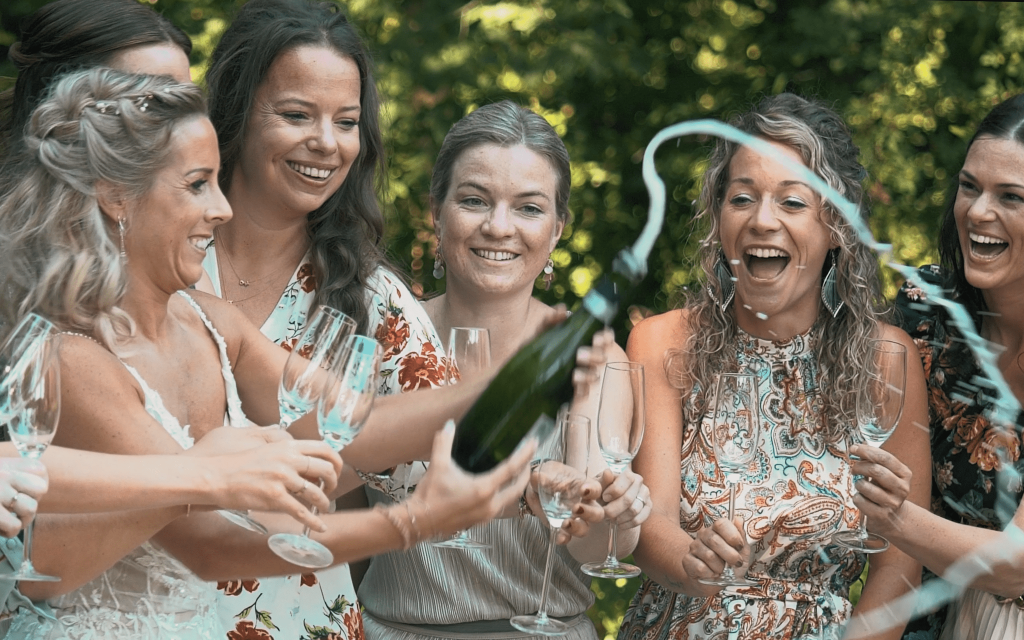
{"x": 829, "y": 294}
{"x": 120, "y": 233}
{"x": 438, "y": 262}
{"x": 726, "y": 283}
{"x": 549, "y": 274}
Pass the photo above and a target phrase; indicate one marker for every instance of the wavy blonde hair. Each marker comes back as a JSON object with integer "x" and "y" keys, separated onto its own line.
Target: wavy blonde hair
{"x": 59, "y": 255}
{"x": 821, "y": 138}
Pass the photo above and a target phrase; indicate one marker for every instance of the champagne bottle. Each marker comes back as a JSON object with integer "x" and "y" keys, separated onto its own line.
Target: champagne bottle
{"x": 531, "y": 387}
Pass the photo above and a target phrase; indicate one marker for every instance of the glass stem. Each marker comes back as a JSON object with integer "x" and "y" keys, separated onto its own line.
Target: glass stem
{"x": 26, "y": 562}
{"x": 314, "y": 511}
{"x": 542, "y": 612}
{"x": 613, "y": 546}
{"x": 863, "y": 535}
{"x": 728, "y": 573}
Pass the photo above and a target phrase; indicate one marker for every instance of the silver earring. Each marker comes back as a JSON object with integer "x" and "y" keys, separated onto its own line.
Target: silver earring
{"x": 549, "y": 274}
{"x": 726, "y": 284}
{"x": 120, "y": 233}
{"x": 829, "y": 294}
{"x": 438, "y": 263}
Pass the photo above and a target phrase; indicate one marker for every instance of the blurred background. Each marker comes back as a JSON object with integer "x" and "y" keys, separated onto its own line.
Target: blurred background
{"x": 911, "y": 78}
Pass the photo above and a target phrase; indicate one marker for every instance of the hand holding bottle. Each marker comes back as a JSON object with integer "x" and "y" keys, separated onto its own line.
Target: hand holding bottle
{"x": 22, "y": 484}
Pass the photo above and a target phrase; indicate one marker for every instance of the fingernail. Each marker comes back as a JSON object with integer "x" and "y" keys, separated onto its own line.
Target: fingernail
{"x": 449, "y": 427}
{"x": 739, "y": 564}
{"x": 578, "y": 511}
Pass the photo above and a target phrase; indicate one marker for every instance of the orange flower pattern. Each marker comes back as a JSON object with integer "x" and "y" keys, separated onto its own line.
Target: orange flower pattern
{"x": 796, "y": 494}
{"x": 968, "y": 450}
{"x": 246, "y": 630}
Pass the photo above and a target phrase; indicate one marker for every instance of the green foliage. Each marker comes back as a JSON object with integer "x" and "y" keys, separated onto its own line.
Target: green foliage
{"x": 911, "y": 78}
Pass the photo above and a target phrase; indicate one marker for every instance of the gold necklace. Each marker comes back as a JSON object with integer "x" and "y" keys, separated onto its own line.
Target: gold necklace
{"x": 242, "y": 282}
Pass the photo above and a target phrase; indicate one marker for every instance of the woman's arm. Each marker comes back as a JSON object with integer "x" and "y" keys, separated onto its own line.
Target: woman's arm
{"x": 894, "y": 572}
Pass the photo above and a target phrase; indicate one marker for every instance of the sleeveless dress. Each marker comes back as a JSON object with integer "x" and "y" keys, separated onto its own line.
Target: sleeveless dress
{"x": 966, "y": 446}
{"x": 147, "y": 594}
{"x": 797, "y": 493}
{"x": 310, "y": 606}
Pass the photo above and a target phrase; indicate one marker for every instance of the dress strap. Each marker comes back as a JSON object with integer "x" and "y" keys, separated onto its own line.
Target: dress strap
{"x": 236, "y": 417}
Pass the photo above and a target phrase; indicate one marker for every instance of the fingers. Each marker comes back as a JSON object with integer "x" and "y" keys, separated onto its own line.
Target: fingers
{"x": 588, "y": 511}
{"x": 441, "y": 452}
{"x": 10, "y": 524}
{"x": 313, "y": 495}
{"x": 321, "y": 462}
{"x": 572, "y": 528}
{"x": 272, "y": 434}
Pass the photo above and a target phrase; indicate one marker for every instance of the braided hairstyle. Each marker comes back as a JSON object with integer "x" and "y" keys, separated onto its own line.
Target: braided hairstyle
{"x": 59, "y": 254}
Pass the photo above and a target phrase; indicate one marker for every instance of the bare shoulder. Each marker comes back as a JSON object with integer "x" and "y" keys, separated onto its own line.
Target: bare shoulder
{"x": 895, "y": 334}
{"x": 229, "y": 322}
{"x": 658, "y": 333}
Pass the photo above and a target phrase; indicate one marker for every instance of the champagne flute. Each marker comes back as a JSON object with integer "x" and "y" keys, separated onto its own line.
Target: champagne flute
{"x": 469, "y": 353}
{"x": 736, "y": 438}
{"x": 620, "y": 428}
{"x": 16, "y": 353}
{"x": 345, "y": 400}
{"x": 561, "y": 476}
{"x": 315, "y": 351}
{"x": 887, "y": 382}
{"x": 35, "y": 400}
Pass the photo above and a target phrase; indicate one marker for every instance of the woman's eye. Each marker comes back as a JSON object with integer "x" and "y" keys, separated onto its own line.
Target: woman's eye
{"x": 472, "y": 201}
{"x": 966, "y": 186}
{"x": 294, "y": 115}
{"x": 740, "y": 200}
{"x": 347, "y": 125}
{"x": 1013, "y": 197}
{"x": 532, "y": 209}
{"x": 794, "y": 203}
{"x": 198, "y": 185}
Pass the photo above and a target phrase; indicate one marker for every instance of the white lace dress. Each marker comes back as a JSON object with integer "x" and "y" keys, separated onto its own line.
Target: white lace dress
{"x": 148, "y": 594}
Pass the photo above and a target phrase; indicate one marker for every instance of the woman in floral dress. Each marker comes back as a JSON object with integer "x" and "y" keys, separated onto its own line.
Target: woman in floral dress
{"x": 790, "y": 298}
{"x": 976, "y": 456}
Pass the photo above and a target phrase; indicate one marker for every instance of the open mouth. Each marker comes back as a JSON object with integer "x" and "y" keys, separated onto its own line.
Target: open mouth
{"x": 986, "y": 246}
{"x": 765, "y": 264}
{"x": 320, "y": 175}
{"x": 202, "y": 244}
{"x": 497, "y": 256}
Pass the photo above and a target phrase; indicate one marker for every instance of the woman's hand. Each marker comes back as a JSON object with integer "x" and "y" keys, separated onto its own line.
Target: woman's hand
{"x": 22, "y": 483}
{"x": 884, "y": 489}
{"x": 266, "y": 470}
{"x": 451, "y": 499}
{"x": 627, "y": 500}
{"x": 590, "y": 363}
{"x": 584, "y": 514}
{"x": 715, "y": 546}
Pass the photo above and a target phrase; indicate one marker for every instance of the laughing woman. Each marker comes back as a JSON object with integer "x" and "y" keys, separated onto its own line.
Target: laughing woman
{"x": 773, "y": 245}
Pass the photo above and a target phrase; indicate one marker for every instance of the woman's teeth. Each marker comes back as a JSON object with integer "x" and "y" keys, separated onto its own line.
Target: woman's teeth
{"x": 310, "y": 172}
{"x": 494, "y": 255}
{"x": 986, "y": 246}
{"x": 767, "y": 253}
{"x": 766, "y": 263}
{"x": 201, "y": 243}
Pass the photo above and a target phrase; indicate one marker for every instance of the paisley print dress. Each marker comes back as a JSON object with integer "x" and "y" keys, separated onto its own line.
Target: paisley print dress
{"x": 795, "y": 495}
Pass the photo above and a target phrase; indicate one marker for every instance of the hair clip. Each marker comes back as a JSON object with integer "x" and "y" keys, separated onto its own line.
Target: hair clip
{"x": 143, "y": 101}
{"x": 104, "y": 107}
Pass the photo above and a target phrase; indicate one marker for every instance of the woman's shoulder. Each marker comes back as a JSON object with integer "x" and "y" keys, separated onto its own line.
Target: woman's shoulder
{"x": 655, "y": 335}
{"x": 915, "y": 312}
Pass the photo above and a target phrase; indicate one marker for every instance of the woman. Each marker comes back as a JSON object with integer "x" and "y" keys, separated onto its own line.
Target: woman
{"x": 129, "y": 164}
{"x": 293, "y": 100}
{"x": 976, "y": 462}
{"x": 496, "y": 231}
{"x": 790, "y": 298}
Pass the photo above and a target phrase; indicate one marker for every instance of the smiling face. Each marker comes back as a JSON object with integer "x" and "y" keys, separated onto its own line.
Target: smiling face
{"x": 153, "y": 59}
{"x": 498, "y": 223}
{"x": 989, "y": 212}
{"x": 775, "y": 239}
{"x": 170, "y": 227}
{"x": 303, "y": 132}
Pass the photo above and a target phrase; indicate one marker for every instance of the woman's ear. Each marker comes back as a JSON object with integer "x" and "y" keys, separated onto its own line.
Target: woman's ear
{"x": 435, "y": 216}
{"x": 557, "y": 235}
{"x": 111, "y": 200}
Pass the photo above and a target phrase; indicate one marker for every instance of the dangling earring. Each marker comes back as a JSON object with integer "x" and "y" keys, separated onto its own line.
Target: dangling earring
{"x": 120, "y": 233}
{"x": 549, "y": 274}
{"x": 829, "y": 295}
{"x": 725, "y": 282}
{"x": 438, "y": 262}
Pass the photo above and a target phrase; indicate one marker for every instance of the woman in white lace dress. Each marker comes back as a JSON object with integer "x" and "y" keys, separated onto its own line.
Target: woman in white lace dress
{"x": 106, "y": 229}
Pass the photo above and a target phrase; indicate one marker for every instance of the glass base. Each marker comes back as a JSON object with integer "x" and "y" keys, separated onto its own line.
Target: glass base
{"x": 27, "y": 573}
{"x": 243, "y": 520}
{"x": 728, "y": 581}
{"x": 611, "y": 570}
{"x": 865, "y": 543}
{"x": 300, "y": 550}
{"x": 540, "y": 625}
{"x": 461, "y": 540}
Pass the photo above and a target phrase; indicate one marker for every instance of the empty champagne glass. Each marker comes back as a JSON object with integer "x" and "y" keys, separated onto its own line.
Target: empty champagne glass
{"x": 469, "y": 353}
{"x": 620, "y": 429}
{"x": 736, "y": 437}
{"x": 561, "y": 476}
{"x": 344, "y": 404}
{"x": 887, "y": 382}
{"x": 16, "y": 353}
{"x": 34, "y": 402}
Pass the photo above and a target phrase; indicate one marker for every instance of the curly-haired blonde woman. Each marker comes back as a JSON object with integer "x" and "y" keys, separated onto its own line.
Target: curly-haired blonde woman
{"x": 791, "y": 298}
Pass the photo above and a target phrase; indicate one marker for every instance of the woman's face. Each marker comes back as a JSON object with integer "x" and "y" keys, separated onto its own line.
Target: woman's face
{"x": 989, "y": 212}
{"x": 498, "y": 223}
{"x": 153, "y": 59}
{"x": 303, "y": 132}
{"x": 170, "y": 227}
{"x": 774, "y": 236}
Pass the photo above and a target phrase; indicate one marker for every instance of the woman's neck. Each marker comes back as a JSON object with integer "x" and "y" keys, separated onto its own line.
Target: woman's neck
{"x": 1001, "y": 322}
{"x": 147, "y": 305}
{"x": 258, "y": 241}
{"x": 509, "y": 319}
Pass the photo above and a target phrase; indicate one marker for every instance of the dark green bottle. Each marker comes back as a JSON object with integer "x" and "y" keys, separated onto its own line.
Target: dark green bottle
{"x": 531, "y": 387}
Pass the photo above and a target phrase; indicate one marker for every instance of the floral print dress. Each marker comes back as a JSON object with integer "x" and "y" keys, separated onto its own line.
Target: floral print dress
{"x": 966, "y": 447}
{"x": 796, "y": 494}
{"x": 311, "y": 606}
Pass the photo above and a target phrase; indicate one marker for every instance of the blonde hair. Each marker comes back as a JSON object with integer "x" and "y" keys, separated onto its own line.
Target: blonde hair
{"x": 59, "y": 255}
{"x": 821, "y": 138}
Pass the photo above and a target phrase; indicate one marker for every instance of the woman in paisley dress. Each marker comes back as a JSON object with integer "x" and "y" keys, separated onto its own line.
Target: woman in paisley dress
{"x": 976, "y": 456}
{"x": 104, "y": 236}
{"x": 790, "y": 297}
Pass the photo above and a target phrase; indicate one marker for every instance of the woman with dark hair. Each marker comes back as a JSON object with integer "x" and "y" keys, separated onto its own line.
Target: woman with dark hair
{"x": 68, "y": 35}
{"x": 790, "y": 296}
{"x": 976, "y": 456}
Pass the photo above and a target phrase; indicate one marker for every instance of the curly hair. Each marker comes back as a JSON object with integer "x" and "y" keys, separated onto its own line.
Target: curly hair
{"x": 822, "y": 139}
{"x": 59, "y": 254}
{"x": 346, "y": 231}
{"x": 1004, "y": 122}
